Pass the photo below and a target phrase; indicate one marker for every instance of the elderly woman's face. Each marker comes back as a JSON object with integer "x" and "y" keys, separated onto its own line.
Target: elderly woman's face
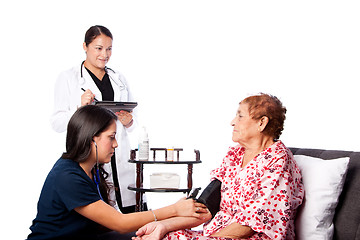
{"x": 245, "y": 128}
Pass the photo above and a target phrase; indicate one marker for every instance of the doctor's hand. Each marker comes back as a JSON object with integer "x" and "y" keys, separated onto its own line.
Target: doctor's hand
{"x": 87, "y": 98}
{"x": 125, "y": 118}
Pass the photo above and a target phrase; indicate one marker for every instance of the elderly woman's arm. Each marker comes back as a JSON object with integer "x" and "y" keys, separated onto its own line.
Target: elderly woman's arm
{"x": 157, "y": 230}
{"x": 234, "y": 231}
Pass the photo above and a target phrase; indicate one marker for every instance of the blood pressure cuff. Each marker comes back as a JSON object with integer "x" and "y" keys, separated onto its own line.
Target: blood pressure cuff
{"x": 211, "y": 197}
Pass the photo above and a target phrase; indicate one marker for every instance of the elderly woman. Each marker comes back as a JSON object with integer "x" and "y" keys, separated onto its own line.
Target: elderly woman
{"x": 261, "y": 183}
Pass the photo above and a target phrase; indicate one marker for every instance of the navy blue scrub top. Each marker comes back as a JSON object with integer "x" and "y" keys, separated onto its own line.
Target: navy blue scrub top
{"x": 66, "y": 187}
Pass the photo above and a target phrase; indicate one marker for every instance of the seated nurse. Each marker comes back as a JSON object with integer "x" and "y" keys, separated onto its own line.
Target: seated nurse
{"x": 261, "y": 183}
{"x": 74, "y": 201}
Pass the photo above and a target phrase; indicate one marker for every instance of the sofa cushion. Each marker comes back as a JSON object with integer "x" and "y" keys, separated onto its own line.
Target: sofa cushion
{"x": 347, "y": 215}
{"x": 323, "y": 181}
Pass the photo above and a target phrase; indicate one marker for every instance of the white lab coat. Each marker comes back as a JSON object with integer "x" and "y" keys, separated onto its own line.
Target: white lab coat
{"x": 68, "y": 99}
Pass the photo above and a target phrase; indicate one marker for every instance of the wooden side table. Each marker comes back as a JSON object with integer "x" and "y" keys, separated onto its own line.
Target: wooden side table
{"x": 140, "y": 190}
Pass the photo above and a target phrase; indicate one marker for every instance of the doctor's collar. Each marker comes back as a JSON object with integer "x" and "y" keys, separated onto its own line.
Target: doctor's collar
{"x": 81, "y": 69}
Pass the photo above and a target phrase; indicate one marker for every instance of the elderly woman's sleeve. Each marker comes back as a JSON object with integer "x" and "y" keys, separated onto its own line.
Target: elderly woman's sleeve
{"x": 219, "y": 173}
{"x": 272, "y": 198}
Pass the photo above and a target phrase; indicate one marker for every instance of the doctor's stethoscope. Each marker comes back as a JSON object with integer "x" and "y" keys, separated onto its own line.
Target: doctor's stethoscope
{"x": 107, "y": 69}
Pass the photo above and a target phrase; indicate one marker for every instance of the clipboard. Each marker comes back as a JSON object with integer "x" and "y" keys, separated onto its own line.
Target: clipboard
{"x": 117, "y": 106}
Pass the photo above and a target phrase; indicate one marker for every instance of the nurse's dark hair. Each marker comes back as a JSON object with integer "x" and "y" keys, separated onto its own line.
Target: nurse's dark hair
{"x": 86, "y": 123}
{"x": 95, "y": 31}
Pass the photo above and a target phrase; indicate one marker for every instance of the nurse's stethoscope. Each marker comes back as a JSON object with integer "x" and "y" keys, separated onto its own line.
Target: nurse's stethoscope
{"x": 96, "y": 175}
{"x": 122, "y": 87}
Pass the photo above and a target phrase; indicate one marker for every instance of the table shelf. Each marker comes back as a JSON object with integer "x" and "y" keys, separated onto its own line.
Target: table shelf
{"x": 138, "y": 187}
{"x": 141, "y": 189}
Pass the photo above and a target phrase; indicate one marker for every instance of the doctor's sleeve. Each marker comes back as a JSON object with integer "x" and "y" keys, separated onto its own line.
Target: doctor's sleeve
{"x": 62, "y": 100}
{"x": 131, "y": 98}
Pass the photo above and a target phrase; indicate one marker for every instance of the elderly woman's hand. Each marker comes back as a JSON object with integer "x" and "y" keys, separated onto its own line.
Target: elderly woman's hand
{"x": 234, "y": 231}
{"x": 151, "y": 231}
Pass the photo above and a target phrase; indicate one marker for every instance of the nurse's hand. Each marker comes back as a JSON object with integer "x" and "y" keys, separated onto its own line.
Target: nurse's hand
{"x": 87, "y": 98}
{"x": 190, "y": 208}
{"x": 125, "y": 118}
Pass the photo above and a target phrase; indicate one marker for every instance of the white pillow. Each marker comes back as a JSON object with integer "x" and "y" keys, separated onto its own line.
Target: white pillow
{"x": 323, "y": 181}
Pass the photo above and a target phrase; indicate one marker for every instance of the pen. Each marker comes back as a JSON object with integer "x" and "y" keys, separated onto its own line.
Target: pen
{"x": 94, "y": 97}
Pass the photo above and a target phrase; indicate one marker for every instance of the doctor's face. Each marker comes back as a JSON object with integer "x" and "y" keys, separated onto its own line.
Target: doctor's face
{"x": 98, "y": 52}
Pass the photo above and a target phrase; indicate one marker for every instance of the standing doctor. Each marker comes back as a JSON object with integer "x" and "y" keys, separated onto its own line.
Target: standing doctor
{"x": 92, "y": 80}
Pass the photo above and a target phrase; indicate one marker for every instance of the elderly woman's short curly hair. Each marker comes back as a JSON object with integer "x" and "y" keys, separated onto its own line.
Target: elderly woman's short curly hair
{"x": 270, "y": 106}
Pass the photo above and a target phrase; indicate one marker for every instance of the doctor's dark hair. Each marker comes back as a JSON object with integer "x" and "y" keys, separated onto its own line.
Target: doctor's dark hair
{"x": 95, "y": 31}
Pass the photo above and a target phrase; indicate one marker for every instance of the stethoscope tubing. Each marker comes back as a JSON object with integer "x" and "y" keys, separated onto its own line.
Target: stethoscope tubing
{"x": 106, "y": 70}
{"x": 97, "y": 175}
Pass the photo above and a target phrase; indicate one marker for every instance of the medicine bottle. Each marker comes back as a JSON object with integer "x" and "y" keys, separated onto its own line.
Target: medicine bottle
{"x": 143, "y": 146}
{"x": 170, "y": 154}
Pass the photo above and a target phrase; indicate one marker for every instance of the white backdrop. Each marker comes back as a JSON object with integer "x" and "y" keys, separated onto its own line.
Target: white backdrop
{"x": 189, "y": 63}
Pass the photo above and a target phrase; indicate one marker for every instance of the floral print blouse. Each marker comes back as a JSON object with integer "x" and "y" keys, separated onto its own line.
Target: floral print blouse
{"x": 264, "y": 194}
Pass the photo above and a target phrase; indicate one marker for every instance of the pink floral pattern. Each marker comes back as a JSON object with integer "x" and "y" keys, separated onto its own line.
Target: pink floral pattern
{"x": 263, "y": 195}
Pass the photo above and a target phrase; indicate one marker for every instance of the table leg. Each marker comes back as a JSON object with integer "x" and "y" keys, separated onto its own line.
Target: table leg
{"x": 139, "y": 181}
{"x": 189, "y": 176}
